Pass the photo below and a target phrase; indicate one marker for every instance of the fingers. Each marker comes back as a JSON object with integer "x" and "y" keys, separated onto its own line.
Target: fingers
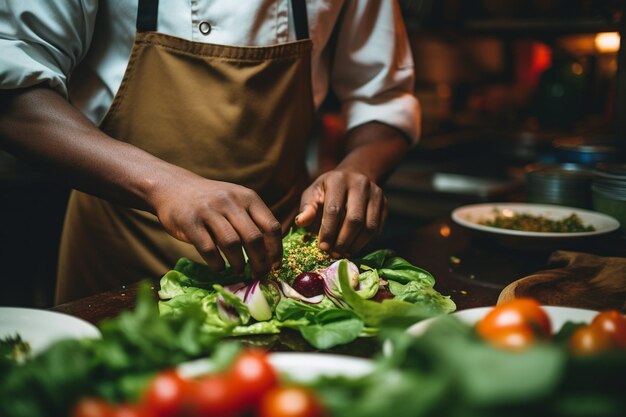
{"x": 272, "y": 240}
{"x": 311, "y": 199}
{"x": 354, "y": 212}
{"x": 202, "y": 241}
{"x": 229, "y": 220}
{"x": 306, "y": 216}
{"x": 374, "y": 220}
{"x": 332, "y": 215}
{"x": 257, "y": 230}
{"x": 227, "y": 239}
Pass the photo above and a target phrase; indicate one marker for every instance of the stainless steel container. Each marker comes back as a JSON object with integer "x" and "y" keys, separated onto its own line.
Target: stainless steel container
{"x": 561, "y": 184}
{"x": 609, "y": 191}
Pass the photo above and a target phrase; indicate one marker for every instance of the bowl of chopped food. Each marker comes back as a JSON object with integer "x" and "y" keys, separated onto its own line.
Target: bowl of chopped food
{"x": 535, "y": 226}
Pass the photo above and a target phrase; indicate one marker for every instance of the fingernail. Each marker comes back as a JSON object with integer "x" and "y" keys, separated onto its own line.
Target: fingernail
{"x": 297, "y": 219}
{"x": 336, "y": 255}
{"x": 276, "y": 265}
{"x": 324, "y": 246}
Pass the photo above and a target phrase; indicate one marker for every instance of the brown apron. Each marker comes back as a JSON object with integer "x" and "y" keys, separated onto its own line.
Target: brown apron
{"x": 229, "y": 113}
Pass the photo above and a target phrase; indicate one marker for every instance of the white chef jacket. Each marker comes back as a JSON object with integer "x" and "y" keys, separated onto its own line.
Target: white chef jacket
{"x": 81, "y": 48}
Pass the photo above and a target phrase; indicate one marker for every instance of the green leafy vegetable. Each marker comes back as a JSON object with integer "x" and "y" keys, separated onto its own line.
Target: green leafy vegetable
{"x": 330, "y": 328}
{"x": 133, "y": 347}
{"x": 448, "y": 372}
{"x": 395, "y": 268}
{"x": 340, "y": 317}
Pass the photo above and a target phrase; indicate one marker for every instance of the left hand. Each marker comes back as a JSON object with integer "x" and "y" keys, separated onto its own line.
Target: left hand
{"x": 349, "y": 208}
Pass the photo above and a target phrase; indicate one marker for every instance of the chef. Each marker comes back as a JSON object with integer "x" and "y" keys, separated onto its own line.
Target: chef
{"x": 183, "y": 126}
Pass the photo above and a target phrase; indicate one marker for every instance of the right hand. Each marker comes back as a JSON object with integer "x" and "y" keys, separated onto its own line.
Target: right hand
{"x": 218, "y": 216}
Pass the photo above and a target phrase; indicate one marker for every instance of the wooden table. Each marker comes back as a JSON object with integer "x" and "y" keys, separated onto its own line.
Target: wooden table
{"x": 471, "y": 269}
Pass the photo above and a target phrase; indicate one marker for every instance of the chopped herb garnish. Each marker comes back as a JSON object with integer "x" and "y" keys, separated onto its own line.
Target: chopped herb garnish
{"x": 534, "y": 223}
{"x": 300, "y": 254}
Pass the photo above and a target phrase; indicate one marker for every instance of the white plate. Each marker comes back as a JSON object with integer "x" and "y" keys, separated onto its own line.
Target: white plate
{"x": 298, "y": 367}
{"x": 40, "y": 328}
{"x": 470, "y": 216}
{"x": 558, "y": 317}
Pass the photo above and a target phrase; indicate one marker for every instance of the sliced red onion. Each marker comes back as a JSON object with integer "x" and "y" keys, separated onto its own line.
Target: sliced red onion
{"x": 260, "y": 309}
{"x": 226, "y": 312}
{"x": 241, "y": 292}
{"x": 331, "y": 275}
{"x": 288, "y": 291}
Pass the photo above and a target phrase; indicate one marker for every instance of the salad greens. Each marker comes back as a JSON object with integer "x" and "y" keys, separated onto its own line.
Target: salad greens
{"x": 236, "y": 307}
{"x": 449, "y": 371}
{"x": 133, "y": 347}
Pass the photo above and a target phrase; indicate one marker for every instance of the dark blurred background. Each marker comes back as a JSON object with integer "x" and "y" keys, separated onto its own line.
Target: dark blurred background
{"x": 504, "y": 85}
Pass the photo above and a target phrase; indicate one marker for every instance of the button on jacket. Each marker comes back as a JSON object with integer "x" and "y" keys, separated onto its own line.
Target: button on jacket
{"x": 81, "y": 48}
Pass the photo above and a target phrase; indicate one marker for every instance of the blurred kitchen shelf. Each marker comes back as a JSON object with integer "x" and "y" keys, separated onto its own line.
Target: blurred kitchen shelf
{"x": 452, "y": 184}
{"x": 540, "y": 27}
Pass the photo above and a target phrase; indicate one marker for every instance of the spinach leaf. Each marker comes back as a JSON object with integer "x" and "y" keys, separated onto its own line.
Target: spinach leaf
{"x": 394, "y": 267}
{"x": 417, "y": 292}
{"x": 374, "y": 313}
{"x": 330, "y": 328}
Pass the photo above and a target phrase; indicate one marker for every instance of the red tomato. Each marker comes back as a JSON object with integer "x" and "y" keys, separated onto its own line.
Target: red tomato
{"x": 515, "y": 313}
{"x": 167, "y": 395}
{"x": 254, "y": 376}
{"x": 614, "y": 324}
{"x": 92, "y": 407}
{"x": 127, "y": 410}
{"x": 512, "y": 338}
{"x": 589, "y": 340}
{"x": 217, "y": 395}
{"x": 290, "y": 401}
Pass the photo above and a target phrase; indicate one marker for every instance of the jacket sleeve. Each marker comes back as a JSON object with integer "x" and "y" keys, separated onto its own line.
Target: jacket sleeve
{"x": 42, "y": 41}
{"x": 373, "y": 70}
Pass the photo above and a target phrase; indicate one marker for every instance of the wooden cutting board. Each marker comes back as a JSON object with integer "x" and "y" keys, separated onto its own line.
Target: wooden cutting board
{"x": 578, "y": 280}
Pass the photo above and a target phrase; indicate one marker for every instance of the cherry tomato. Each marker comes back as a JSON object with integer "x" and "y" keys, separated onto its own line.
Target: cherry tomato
{"x": 167, "y": 395}
{"x": 588, "y": 340}
{"x": 217, "y": 395}
{"x": 254, "y": 375}
{"x": 514, "y": 338}
{"x": 92, "y": 407}
{"x": 290, "y": 401}
{"x": 614, "y": 324}
{"x": 128, "y": 410}
{"x": 515, "y": 313}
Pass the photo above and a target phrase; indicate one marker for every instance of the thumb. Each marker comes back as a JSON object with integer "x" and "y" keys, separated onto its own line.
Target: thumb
{"x": 306, "y": 215}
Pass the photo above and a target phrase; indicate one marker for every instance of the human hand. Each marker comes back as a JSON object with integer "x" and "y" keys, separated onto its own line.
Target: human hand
{"x": 218, "y": 216}
{"x": 349, "y": 208}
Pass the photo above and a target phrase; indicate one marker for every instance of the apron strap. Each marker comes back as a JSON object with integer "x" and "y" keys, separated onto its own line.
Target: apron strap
{"x": 147, "y": 13}
{"x": 301, "y": 20}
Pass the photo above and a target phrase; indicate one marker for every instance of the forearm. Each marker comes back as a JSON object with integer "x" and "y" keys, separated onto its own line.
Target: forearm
{"x": 373, "y": 149}
{"x": 38, "y": 124}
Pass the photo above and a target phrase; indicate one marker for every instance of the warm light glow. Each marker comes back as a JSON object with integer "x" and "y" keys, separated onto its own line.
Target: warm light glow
{"x": 577, "y": 69}
{"x": 508, "y": 213}
{"x": 444, "y": 230}
{"x": 607, "y": 42}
